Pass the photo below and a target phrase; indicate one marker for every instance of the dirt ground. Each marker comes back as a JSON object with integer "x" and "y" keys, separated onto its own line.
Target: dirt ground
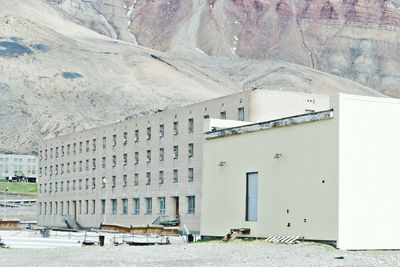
{"x": 214, "y": 253}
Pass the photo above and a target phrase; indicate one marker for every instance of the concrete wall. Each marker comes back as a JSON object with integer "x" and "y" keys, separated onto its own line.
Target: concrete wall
{"x": 10, "y": 165}
{"x": 299, "y": 188}
{"x": 369, "y": 184}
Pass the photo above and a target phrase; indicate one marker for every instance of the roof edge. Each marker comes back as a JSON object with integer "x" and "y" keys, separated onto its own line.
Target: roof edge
{"x": 288, "y": 121}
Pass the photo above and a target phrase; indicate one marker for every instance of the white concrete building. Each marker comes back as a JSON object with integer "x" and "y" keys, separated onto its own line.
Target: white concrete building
{"x": 13, "y": 166}
{"x": 331, "y": 175}
{"x": 136, "y": 170}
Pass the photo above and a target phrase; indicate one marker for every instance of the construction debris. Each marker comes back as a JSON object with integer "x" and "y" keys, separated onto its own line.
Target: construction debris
{"x": 283, "y": 239}
{"x": 234, "y": 233}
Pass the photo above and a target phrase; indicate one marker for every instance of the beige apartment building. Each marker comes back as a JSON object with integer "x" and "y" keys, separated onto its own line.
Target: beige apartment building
{"x": 134, "y": 171}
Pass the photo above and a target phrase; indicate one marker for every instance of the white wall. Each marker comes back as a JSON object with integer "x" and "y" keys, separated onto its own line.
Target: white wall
{"x": 309, "y": 156}
{"x": 369, "y": 185}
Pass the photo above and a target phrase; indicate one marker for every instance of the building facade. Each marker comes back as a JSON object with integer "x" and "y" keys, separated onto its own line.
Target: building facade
{"x": 331, "y": 176}
{"x": 134, "y": 171}
{"x": 13, "y": 167}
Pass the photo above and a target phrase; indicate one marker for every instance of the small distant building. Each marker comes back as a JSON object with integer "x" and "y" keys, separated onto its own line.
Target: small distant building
{"x": 21, "y": 168}
{"x": 328, "y": 176}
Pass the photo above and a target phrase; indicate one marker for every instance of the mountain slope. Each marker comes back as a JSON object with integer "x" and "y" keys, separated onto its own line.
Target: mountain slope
{"x": 358, "y": 40}
{"x": 57, "y": 77}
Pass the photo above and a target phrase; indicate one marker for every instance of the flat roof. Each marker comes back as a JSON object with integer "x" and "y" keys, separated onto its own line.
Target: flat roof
{"x": 287, "y": 121}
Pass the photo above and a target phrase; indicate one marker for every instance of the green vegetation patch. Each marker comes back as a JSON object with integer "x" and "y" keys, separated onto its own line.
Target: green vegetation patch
{"x": 19, "y": 188}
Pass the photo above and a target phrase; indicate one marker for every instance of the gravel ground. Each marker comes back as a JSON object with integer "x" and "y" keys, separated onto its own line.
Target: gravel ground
{"x": 215, "y": 253}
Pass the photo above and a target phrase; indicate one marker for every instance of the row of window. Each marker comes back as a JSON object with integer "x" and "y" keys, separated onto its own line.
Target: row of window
{"x": 114, "y": 143}
{"x": 125, "y": 137}
{"x": 50, "y": 208}
{"x": 17, "y": 160}
{"x": 78, "y": 184}
{"x": 114, "y": 161}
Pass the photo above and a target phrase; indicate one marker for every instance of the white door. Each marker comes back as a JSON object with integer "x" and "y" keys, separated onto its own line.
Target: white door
{"x": 252, "y": 196}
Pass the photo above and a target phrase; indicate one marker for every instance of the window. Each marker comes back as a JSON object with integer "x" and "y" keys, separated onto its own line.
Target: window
{"x": 162, "y": 205}
{"x": 149, "y": 207}
{"x": 94, "y": 164}
{"x": 136, "y": 135}
{"x": 62, "y": 186}
{"x": 104, "y": 163}
{"x": 56, "y": 211}
{"x": 125, "y": 180}
{"x": 80, "y": 147}
{"x": 61, "y": 207}
{"x": 223, "y": 115}
{"x": 74, "y": 185}
{"x": 125, "y": 206}
{"x": 190, "y": 126}
{"x": 45, "y": 154}
{"x": 45, "y": 208}
{"x": 93, "y": 183}
{"x": 175, "y": 177}
{"x": 161, "y": 130}
{"x": 148, "y": 156}
{"x": 80, "y": 184}
{"x": 56, "y": 154}
{"x": 148, "y": 177}
{"x": 62, "y": 151}
{"x": 114, "y": 161}
{"x": 74, "y": 151}
{"x": 68, "y": 149}
{"x": 190, "y": 174}
{"x": 191, "y": 204}
{"x": 67, "y": 186}
{"x": 51, "y": 208}
{"x": 241, "y": 114}
{"x": 125, "y": 161}
{"x": 94, "y": 144}
{"x": 148, "y": 133}
{"x": 114, "y": 140}
{"x": 93, "y": 206}
{"x": 40, "y": 208}
{"x": 161, "y": 179}
{"x": 103, "y": 206}
{"x": 136, "y": 157}
{"x": 251, "y": 196}
{"x": 80, "y": 166}
{"x": 206, "y": 117}
{"x": 74, "y": 167}
{"x": 114, "y": 181}
{"x": 137, "y": 205}
{"x": 175, "y": 128}
{"x": 114, "y": 206}
{"x": 104, "y": 143}
{"x": 136, "y": 182}
{"x": 87, "y": 206}
{"x": 87, "y": 184}
{"x": 161, "y": 154}
{"x": 51, "y": 154}
{"x": 175, "y": 152}
{"x": 190, "y": 150}
{"x": 87, "y": 165}
{"x": 87, "y": 146}
{"x": 125, "y": 138}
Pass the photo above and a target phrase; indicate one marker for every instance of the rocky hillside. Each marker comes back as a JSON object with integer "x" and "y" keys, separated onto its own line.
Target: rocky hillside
{"x": 58, "y": 76}
{"x": 358, "y": 40}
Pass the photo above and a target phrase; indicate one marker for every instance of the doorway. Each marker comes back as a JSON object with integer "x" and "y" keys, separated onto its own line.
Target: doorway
{"x": 251, "y": 196}
{"x": 176, "y": 199}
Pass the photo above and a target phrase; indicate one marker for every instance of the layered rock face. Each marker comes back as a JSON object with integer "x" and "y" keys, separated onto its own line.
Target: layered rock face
{"x": 359, "y": 40}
